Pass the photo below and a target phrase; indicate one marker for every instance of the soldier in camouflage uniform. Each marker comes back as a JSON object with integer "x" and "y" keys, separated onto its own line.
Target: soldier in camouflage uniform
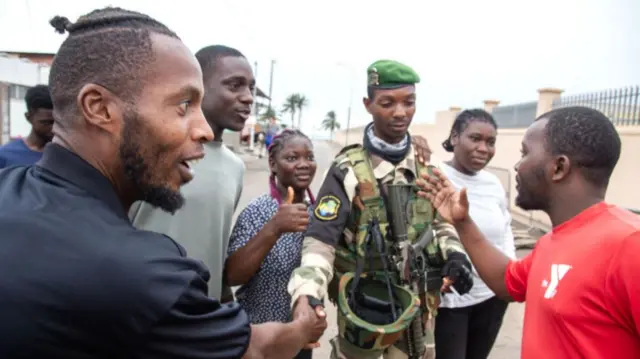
{"x": 354, "y": 199}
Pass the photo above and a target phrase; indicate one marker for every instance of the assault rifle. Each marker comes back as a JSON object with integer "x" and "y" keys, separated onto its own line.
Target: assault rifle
{"x": 412, "y": 262}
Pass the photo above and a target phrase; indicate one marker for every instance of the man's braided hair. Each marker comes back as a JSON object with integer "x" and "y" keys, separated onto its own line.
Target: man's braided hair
{"x": 110, "y": 47}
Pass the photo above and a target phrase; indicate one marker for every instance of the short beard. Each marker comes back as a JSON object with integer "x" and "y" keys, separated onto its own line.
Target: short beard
{"x": 138, "y": 172}
{"x": 529, "y": 201}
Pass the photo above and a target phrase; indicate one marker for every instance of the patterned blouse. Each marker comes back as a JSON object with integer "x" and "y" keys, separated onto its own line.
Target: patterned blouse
{"x": 265, "y": 296}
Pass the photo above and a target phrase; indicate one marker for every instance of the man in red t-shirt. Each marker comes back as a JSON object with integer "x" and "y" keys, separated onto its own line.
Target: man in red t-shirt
{"x": 580, "y": 282}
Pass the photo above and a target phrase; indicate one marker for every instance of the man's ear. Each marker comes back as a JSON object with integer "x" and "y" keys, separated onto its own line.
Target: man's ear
{"x": 562, "y": 166}
{"x": 100, "y": 107}
{"x": 27, "y": 115}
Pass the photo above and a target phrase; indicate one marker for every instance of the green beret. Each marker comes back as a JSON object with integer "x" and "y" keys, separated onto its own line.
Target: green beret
{"x": 390, "y": 74}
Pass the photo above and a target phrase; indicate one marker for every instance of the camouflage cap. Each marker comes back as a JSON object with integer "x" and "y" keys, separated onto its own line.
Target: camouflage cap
{"x": 390, "y": 74}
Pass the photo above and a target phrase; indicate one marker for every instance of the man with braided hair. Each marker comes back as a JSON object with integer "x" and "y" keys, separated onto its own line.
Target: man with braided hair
{"x": 83, "y": 282}
{"x": 375, "y": 249}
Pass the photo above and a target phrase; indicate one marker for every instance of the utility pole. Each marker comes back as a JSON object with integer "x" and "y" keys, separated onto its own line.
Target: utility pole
{"x": 351, "y": 79}
{"x": 252, "y": 129}
{"x": 346, "y": 135}
{"x": 271, "y": 83}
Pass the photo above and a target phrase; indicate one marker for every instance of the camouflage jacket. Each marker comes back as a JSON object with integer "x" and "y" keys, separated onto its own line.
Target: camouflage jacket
{"x": 330, "y": 223}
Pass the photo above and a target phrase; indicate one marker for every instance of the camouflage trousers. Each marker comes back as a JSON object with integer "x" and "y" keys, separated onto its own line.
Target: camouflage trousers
{"x": 341, "y": 349}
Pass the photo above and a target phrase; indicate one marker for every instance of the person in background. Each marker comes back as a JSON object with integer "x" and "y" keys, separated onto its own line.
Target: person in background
{"x": 266, "y": 242}
{"x": 580, "y": 282}
{"x": 272, "y": 129}
{"x": 40, "y": 115}
{"x": 203, "y": 225}
{"x": 467, "y": 325}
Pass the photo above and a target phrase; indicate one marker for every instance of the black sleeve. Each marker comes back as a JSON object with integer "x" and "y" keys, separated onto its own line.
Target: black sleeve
{"x": 168, "y": 306}
{"x": 198, "y": 326}
{"x": 332, "y": 208}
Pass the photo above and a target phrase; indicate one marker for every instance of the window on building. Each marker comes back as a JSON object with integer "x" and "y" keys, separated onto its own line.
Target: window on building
{"x": 17, "y": 92}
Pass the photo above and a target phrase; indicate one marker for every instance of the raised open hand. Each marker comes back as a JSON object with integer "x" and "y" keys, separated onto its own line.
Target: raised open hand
{"x": 451, "y": 204}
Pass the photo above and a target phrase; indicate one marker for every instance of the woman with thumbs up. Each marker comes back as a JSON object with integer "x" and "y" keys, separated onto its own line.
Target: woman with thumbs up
{"x": 266, "y": 242}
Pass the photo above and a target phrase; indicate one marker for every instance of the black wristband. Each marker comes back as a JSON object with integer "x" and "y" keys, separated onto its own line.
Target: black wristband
{"x": 314, "y": 302}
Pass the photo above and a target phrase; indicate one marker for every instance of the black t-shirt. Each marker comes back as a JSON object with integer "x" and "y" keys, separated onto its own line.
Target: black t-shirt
{"x": 79, "y": 281}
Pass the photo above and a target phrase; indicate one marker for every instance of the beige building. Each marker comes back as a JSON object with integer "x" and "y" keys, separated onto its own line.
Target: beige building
{"x": 622, "y": 106}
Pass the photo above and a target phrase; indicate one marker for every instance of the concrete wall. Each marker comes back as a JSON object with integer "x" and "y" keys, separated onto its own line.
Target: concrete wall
{"x": 622, "y": 189}
{"x": 43, "y": 58}
{"x": 23, "y": 72}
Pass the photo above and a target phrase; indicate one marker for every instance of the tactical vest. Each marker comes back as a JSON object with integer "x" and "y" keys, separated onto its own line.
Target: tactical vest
{"x": 372, "y": 204}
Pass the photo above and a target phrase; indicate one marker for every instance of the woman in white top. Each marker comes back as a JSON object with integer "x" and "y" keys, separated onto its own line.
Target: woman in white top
{"x": 467, "y": 325}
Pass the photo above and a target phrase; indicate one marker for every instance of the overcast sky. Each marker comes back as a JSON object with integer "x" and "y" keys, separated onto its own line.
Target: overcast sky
{"x": 465, "y": 51}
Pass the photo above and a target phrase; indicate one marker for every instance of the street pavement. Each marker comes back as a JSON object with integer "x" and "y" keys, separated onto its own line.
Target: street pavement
{"x": 507, "y": 345}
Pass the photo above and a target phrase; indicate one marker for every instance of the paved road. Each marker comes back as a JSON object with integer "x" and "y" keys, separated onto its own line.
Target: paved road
{"x": 256, "y": 182}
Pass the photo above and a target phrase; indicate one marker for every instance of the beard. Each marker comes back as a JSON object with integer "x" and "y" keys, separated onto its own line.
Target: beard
{"x": 528, "y": 199}
{"x": 139, "y": 170}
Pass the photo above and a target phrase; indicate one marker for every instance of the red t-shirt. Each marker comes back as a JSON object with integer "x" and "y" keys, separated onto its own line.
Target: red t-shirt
{"x": 581, "y": 284}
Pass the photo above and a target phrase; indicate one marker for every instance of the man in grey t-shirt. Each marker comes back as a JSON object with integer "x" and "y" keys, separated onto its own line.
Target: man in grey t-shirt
{"x": 203, "y": 225}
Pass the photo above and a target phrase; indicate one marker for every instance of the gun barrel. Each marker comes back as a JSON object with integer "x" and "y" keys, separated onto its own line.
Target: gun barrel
{"x": 399, "y": 210}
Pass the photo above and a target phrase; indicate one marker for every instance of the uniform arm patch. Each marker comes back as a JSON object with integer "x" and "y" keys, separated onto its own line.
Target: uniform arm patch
{"x": 327, "y": 208}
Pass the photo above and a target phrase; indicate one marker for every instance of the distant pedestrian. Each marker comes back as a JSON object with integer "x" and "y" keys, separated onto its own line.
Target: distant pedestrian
{"x": 272, "y": 129}
{"x": 39, "y": 114}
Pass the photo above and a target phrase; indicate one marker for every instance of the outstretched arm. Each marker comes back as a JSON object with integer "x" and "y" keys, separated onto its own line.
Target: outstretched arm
{"x": 279, "y": 340}
{"x": 318, "y": 250}
{"x": 489, "y": 261}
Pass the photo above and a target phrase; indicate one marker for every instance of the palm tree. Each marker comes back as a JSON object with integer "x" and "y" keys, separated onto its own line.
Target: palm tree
{"x": 291, "y": 106}
{"x": 268, "y": 113}
{"x": 302, "y": 103}
{"x": 330, "y": 122}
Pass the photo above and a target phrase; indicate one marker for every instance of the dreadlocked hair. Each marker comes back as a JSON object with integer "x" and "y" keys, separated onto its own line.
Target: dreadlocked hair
{"x": 462, "y": 121}
{"x": 277, "y": 143}
{"x": 110, "y": 47}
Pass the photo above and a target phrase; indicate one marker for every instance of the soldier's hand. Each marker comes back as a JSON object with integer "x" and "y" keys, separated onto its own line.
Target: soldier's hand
{"x": 314, "y": 320}
{"x": 290, "y": 217}
{"x": 421, "y": 146}
{"x": 457, "y": 274}
{"x": 451, "y": 204}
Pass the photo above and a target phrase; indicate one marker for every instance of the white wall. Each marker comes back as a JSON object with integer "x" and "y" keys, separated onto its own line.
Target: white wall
{"x": 22, "y": 72}
{"x": 19, "y": 125}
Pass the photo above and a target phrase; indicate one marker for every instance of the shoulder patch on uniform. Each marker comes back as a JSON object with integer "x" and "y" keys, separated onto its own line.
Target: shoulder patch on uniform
{"x": 327, "y": 208}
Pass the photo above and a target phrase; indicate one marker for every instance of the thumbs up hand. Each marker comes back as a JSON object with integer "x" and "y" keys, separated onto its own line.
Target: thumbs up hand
{"x": 290, "y": 217}
{"x": 290, "y": 194}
